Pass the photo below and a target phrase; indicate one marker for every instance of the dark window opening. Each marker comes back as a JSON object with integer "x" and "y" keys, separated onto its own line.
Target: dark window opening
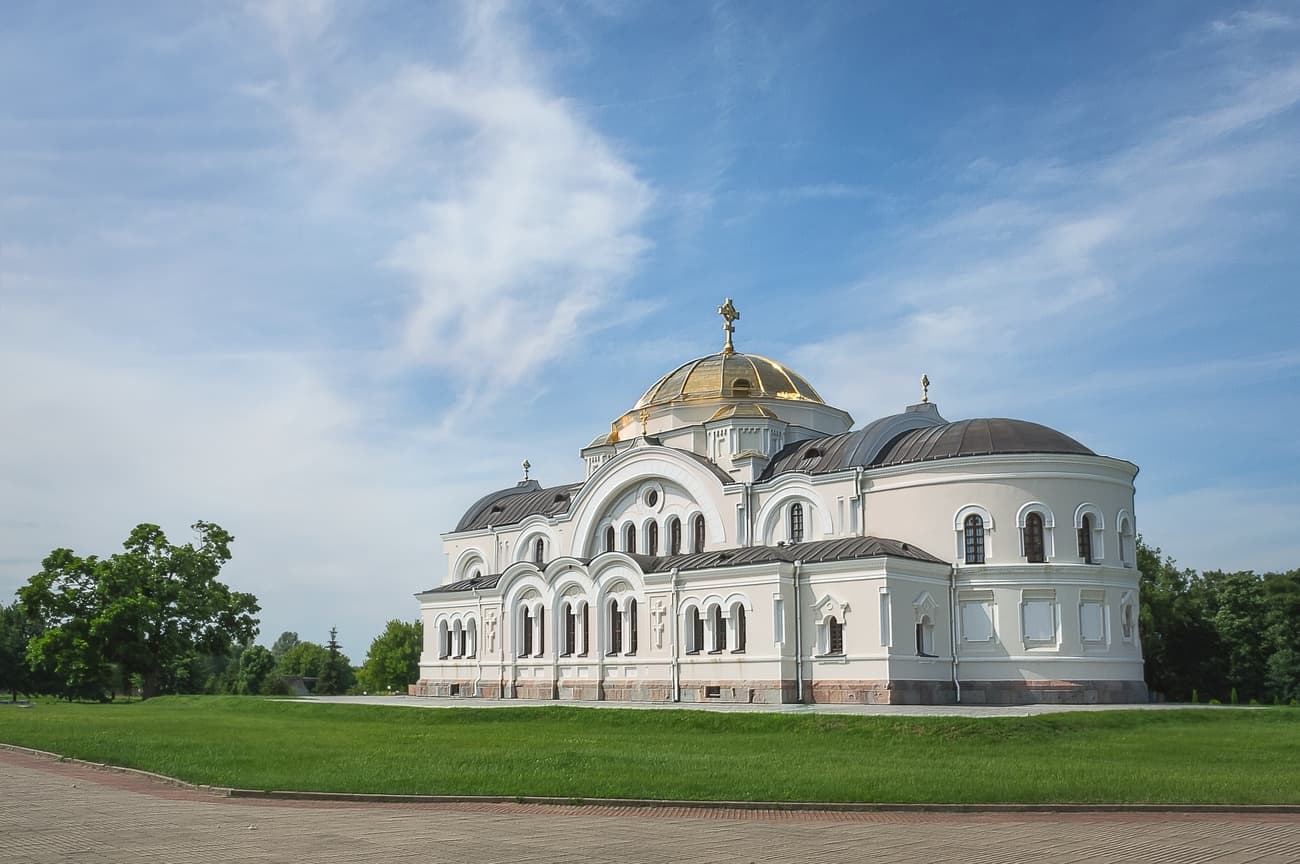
{"x": 974, "y": 537}
{"x": 615, "y": 628}
{"x": 738, "y": 615}
{"x": 835, "y": 636}
{"x": 631, "y": 622}
{"x": 453, "y": 690}
{"x": 539, "y": 552}
{"x": 1085, "y": 540}
{"x": 652, "y": 539}
{"x": 1035, "y": 552}
{"x": 697, "y": 540}
{"x": 713, "y": 691}
{"x": 796, "y": 523}
{"x": 629, "y": 539}
{"x": 570, "y": 631}
{"x": 527, "y": 626}
{"x": 719, "y": 631}
{"x": 609, "y": 539}
{"x": 674, "y": 536}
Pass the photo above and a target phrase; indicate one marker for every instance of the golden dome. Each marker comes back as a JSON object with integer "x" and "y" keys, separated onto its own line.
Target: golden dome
{"x": 729, "y": 375}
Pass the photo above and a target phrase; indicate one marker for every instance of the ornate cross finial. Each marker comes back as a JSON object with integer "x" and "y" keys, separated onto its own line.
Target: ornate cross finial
{"x": 645, "y": 421}
{"x": 729, "y": 315}
{"x": 925, "y": 387}
{"x": 527, "y": 465}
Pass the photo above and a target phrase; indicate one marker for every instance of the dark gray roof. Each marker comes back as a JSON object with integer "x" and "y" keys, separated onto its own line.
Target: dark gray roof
{"x": 861, "y": 447}
{"x": 817, "y": 552}
{"x": 517, "y": 503}
{"x": 981, "y": 437}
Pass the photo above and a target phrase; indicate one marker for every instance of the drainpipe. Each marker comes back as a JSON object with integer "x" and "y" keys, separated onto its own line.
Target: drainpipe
{"x": 862, "y": 502}
{"x": 478, "y": 649}
{"x": 798, "y": 634}
{"x": 952, "y": 628}
{"x": 672, "y": 632}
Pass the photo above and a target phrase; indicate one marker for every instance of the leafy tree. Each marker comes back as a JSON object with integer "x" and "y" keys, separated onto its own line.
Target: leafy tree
{"x": 255, "y": 665}
{"x": 283, "y": 643}
{"x": 306, "y": 659}
{"x": 17, "y": 675}
{"x": 394, "y": 658}
{"x": 152, "y": 609}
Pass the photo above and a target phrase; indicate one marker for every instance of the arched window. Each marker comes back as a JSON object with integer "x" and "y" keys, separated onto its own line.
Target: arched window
{"x": 796, "y": 523}
{"x": 444, "y": 640}
{"x": 541, "y": 631}
{"x": 834, "y": 636}
{"x": 738, "y": 616}
{"x": 974, "y": 539}
{"x": 631, "y": 626}
{"x": 1034, "y": 549}
{"x": 526, "y": 625}
{"x": 459, "y": 631}
{"x": 652, "y": 539}
{"x": 629, "y": 539}
{"x": 694, "y": 631}
{"x": 471, "y": 638}
{"x": 609, "y": 539}
{"x": 719, "y": 631}
{"x": 925, "y": 637}
{"x": 570, "y": 646}
{"x": 1085, "y": 539}
{"x": 697, "y": 532}
{"x": 1125, "y": 538}
{"x": 539, "y": 552}
{"x": 615, "y": 628}
{"x": 674, "y": 536}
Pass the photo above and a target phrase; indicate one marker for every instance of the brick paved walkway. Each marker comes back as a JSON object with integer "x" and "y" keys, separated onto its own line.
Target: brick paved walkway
{"x": 55, "y": 812}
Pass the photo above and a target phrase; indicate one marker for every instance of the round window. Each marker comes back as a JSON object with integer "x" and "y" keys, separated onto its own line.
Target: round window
{"x": 652, "y": 498}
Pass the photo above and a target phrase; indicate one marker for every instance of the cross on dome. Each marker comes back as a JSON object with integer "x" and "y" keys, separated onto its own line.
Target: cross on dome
{"x": 729, "y": 315}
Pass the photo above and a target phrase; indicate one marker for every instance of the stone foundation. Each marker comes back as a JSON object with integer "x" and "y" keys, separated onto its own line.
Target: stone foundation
{"x": 755, "y": 692}
{"x": 816, "y": 692}
{"x": 879, "y": 692}
{"x": 1052, "y": 692}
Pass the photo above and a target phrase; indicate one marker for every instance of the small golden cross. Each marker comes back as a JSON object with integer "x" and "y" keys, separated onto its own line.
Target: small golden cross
{"x": 729, "y": 315}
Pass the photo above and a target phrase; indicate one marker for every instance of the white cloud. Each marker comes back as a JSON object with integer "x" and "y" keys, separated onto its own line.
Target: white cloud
{"x": 515, "y": 220}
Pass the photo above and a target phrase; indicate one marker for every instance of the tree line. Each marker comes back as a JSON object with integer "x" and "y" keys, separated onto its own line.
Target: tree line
{"x": 155, "y": 619}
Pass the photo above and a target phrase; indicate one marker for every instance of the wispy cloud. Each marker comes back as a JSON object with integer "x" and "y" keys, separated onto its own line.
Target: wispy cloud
{"x": 516, "y": 221}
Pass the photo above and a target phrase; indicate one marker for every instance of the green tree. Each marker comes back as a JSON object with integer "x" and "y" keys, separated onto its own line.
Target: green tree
{"x": 151, "y": 609}
{"x": 283, "y": 643}
{"x": 306, "y": 659}
{"x": 255, "y": 665}
{"x": 394, "y": 658}
{"x": 332, "y": 677}
{"x": 17, "y": 675}
{"x": 1179, "y": 644}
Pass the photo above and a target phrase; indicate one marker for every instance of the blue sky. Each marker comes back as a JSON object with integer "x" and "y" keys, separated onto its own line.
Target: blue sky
{"x": 324, "y": 273}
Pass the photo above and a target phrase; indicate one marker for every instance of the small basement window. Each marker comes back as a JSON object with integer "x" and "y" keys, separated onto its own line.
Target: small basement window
{"x": 714, "y": 692}
{"x": 454, "y": 690}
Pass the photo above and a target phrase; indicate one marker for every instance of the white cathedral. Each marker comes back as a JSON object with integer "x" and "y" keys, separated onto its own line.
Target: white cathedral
{"x": 735, "y": 539}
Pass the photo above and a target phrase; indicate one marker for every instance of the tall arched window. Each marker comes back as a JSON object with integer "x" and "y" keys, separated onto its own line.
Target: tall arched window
{"x": 609, "y": 539}
{"x": 738, "y": 616}
{"x": 459, "y": 630}
{"x": 629, "y": 539}
{"x": 697, "y": 539}
{"x": 652, "y": 539}
{"x": 1034, "y": 549}
{"x": 796, "y": 523}
{"x": 694, "y": 631}
{"x": 570, "y": 631}
{"x": 834, "y": 636}
{"x": 974, "y": 539}
{"x": 674, "y": 536}
{"x": 615, "y": 628}
{"x": 541, "y": 631}
{"x": 925, "y": 637}
{"x": 539, "y": 552}
{"x": 526, "y": 625}
{"x": 631, "y": 626}
{"x": 1085, "y": 539}
{"x": 719, "y": 631}
{"x": 444, "y": 640}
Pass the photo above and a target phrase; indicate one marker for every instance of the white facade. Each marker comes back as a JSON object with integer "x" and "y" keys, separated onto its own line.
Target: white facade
{"x": 733, "y": 539}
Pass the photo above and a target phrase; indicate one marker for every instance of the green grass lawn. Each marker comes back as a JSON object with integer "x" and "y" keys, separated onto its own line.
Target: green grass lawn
{"x": 1193, "y": 756}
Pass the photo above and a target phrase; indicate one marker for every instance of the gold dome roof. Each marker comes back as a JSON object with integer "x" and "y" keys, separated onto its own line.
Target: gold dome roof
{"x": 729, "y": 375}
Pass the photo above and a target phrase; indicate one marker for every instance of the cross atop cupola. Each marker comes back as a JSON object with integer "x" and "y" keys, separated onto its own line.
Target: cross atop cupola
{"x": 729, "y": 315}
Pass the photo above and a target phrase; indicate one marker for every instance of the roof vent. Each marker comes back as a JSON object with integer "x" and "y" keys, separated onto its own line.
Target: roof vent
{"x": 812, "y": 453}
{"x": 561, "y": 497}
{"x": 497, "y": 508}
